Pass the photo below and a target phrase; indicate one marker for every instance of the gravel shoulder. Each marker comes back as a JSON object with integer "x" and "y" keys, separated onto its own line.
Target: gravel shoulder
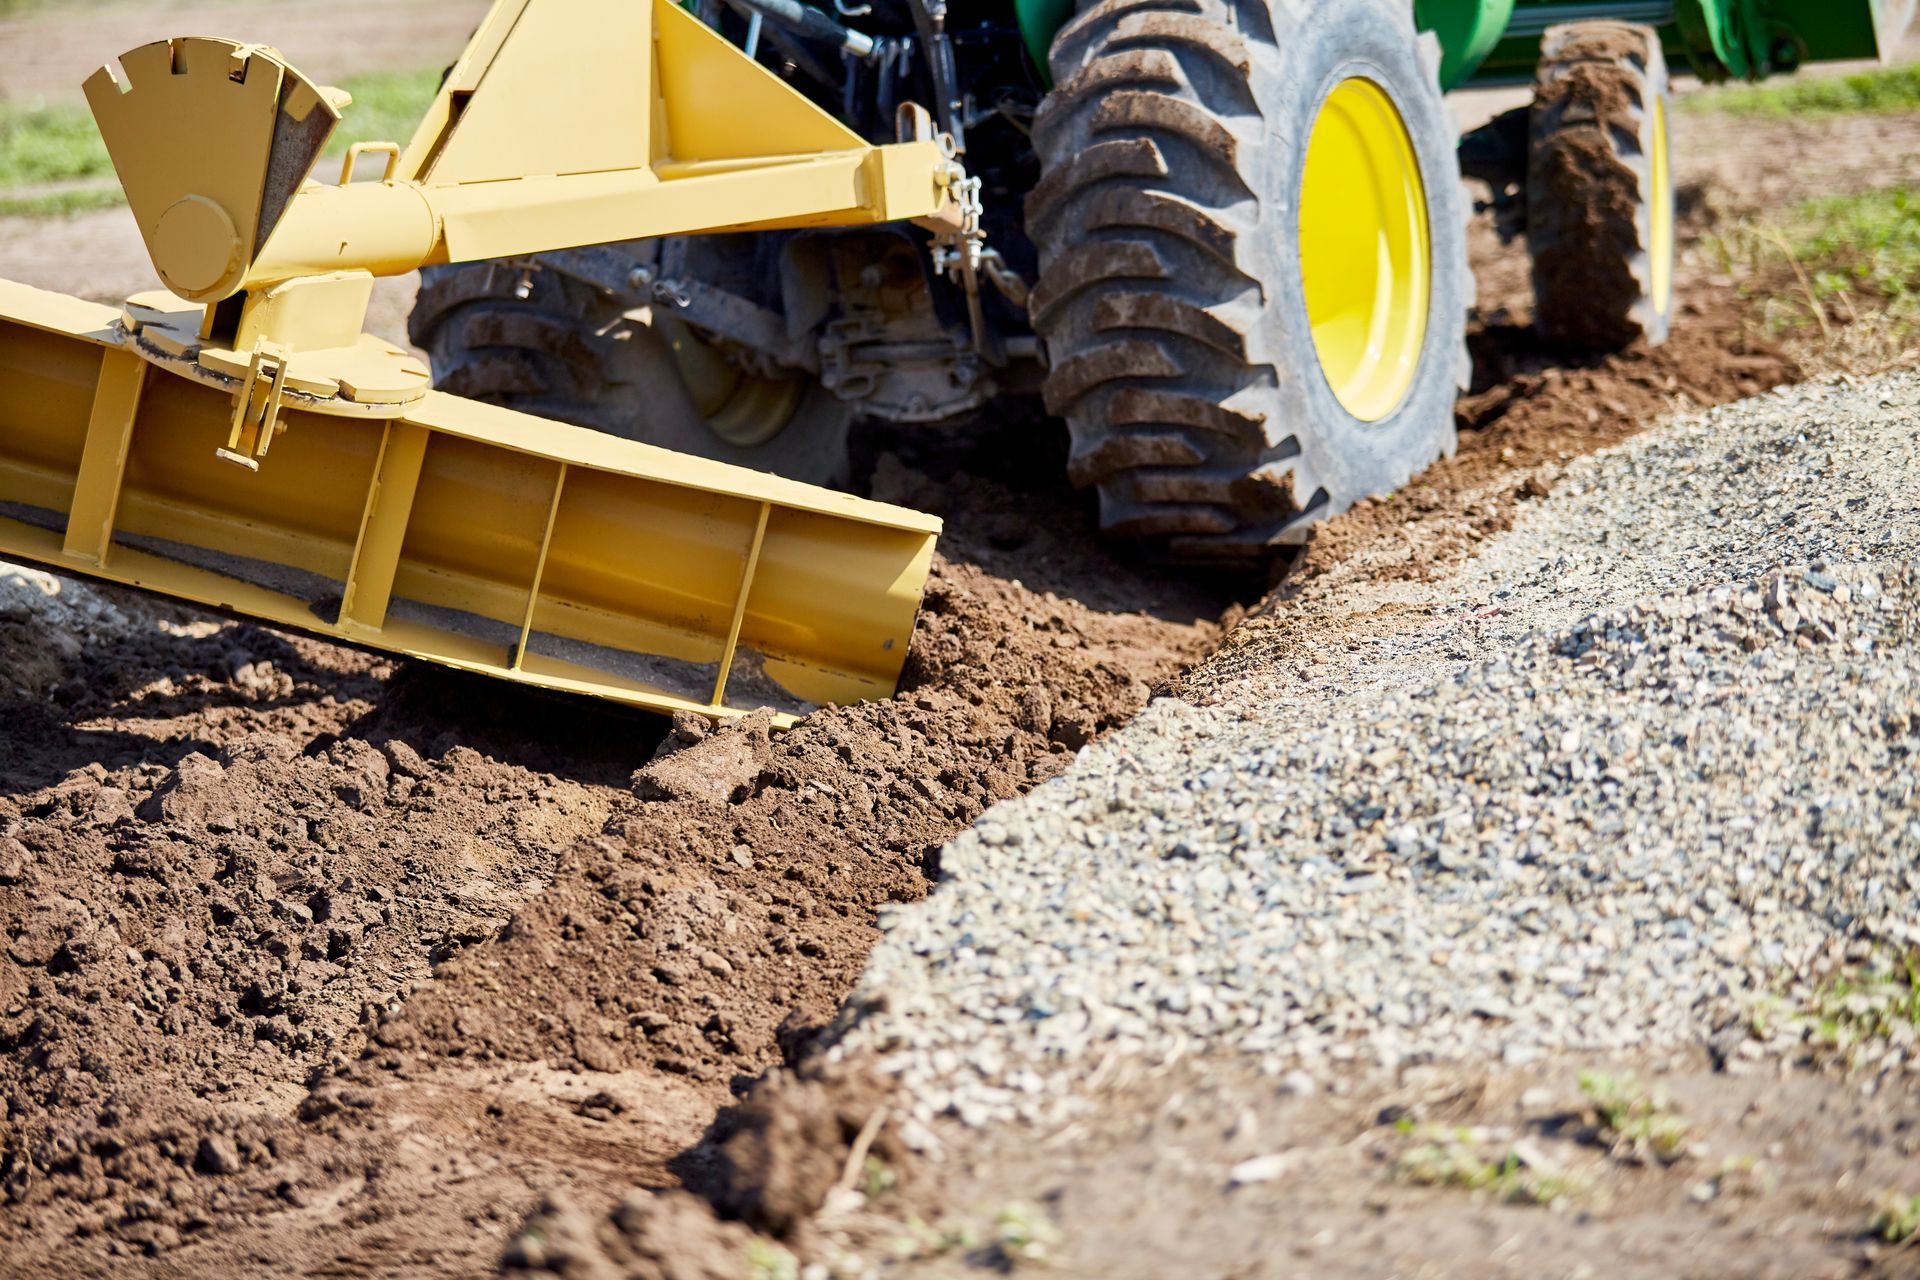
{"x": 1645, "y": 755}
{"x": 1632, "y": 784}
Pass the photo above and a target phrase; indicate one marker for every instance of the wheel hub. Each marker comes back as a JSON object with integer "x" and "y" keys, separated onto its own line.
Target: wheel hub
{"x": 1365, "y": 256}
{"x": 742, "y": 408}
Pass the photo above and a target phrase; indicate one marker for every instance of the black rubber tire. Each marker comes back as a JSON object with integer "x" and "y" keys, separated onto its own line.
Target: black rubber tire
{"x": 1590, "y": 187}
{"x": 566, "y": 351}
{"x": 1170, "y": 297}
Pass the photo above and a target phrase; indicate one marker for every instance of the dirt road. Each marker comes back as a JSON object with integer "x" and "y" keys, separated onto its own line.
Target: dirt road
{"x": 51, "y": 53}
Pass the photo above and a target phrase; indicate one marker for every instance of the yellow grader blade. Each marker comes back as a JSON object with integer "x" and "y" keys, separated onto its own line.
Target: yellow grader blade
{"x": 458, "y": 532}
{"x": 242, "y": 444}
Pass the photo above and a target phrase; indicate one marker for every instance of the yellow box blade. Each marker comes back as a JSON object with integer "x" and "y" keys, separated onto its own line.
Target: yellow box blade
{"x": 460, "y": 533}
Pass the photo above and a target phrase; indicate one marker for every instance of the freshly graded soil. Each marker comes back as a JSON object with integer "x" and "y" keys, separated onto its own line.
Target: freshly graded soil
{"x": 312, "y": 962}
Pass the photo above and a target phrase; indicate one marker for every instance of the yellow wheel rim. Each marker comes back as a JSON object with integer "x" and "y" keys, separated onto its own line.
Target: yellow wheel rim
{"x": 1662, "y": 217}
{"x": 1365, "y": 253}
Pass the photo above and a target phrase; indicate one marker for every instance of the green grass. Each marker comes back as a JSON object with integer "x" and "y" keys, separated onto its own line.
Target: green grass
{"x": 1451, "y": 1160}
{"x": 64, "y": 203}
{"x": 1896, "y": 1218}
{"x": 45, "y": 144}
{"x": 1842, "y": 269}
{"x": 56, "y": 146}
{"x": 1634, "y": 1124}
{"x": 1869, "y": 240}
{"x": 386, "y": 106}
{"x": 1883, "y": 89}
{"x": 1869, "y": 1003}
{"x": 24, "y": 8}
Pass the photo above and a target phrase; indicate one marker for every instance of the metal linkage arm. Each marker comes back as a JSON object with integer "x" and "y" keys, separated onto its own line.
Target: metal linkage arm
{"x": 565, "y": 122}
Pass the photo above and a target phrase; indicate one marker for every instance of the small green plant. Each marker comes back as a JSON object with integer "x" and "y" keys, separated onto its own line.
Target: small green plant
{"x": 1896, "y": 1217}
{"x": 924, "y": 1240}
{"x": 876, "y": 1178}
{"x": 769, "y": 1261}
{"x": 1764, "y": 1015}
{"x": 1741, "y": 1176}
{"x": 1446, "y": 1159}
{"x": 1632, "y": 1123}
{"x": 1023, "y": 1235}
{"x": 1869, "y": 1002}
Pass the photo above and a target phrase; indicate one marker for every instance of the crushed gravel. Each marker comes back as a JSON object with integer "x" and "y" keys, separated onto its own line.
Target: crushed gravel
{"x": 1638, "y": 768}
{"x": 60, "y": 604}
{"x": 46, "y": 623}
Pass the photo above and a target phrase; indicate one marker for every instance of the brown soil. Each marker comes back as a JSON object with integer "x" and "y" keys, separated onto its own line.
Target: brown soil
{"x": 312, "y": 960}
{"x": 313, "y": 964}
{"x": 1778, "y": 1180}
{"x": 776, "y": 1160}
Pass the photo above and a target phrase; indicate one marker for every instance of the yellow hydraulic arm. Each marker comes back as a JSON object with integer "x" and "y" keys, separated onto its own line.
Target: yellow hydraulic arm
{"x": 565, "y": 122}
{"x": 400, "y": 518}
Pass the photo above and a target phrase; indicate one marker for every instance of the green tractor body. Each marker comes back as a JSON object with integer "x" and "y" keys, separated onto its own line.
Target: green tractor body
{"x": 1489, "y": 41}
{"x": 1496, "y": 40}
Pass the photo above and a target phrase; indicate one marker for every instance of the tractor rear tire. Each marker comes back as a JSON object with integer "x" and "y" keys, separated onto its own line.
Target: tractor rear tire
{"x": 1198, "y": 257}
{"x": 1600, "y": 204}
{"x": 569, "y": 352}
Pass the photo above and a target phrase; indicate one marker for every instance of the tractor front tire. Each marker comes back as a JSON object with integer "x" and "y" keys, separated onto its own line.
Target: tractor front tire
{"x": 1253, "y": 276}
{"x": 1600, "y": 204}
{"x": 545, "y": 343}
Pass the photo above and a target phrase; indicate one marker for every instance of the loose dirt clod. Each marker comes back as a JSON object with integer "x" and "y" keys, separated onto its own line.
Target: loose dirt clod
{"x": 788, "y": 1145}
{"x": 673, "y": 1236}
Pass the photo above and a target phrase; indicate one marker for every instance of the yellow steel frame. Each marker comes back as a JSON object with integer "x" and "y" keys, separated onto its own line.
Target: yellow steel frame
{"x": 415, "y": 522}
{"x": 565, "y": 122}
{"x": 457, "y": 532}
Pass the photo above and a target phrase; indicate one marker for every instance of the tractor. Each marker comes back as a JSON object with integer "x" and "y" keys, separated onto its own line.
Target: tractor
{"x": 670, "y": 252}
{"x": 1224, "y": 241}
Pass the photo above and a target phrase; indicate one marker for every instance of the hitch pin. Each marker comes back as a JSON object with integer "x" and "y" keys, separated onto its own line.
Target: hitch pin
{"x": 256, "y": 408}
